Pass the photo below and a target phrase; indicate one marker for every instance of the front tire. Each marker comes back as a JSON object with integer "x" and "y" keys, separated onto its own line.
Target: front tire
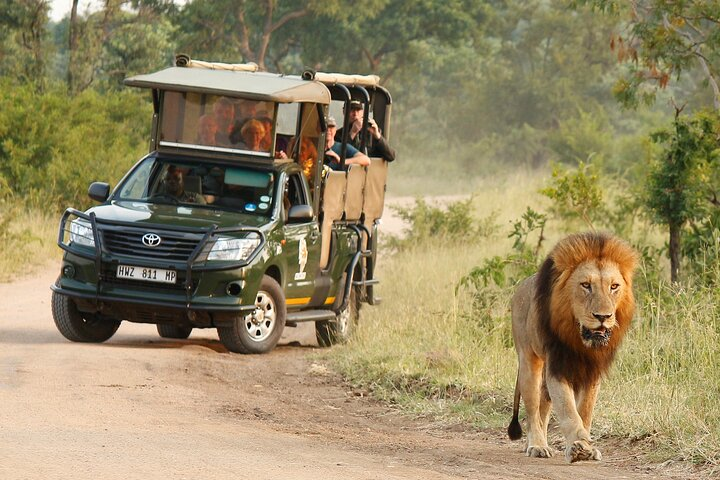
{"x": 173, "y": 331}
{"x": 259, "y": 331}
{"x": 331, "y": 332}
{"x": 81, "y": 327}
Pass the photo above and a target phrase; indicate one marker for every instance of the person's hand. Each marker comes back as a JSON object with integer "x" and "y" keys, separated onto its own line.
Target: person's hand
{"x": 355, "y": 127}
{"x": 374, "y": 129}
{"x": 281, "y": 154}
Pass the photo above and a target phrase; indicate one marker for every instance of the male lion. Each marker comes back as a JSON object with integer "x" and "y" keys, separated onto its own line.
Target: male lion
{"x": 567, "y": 322}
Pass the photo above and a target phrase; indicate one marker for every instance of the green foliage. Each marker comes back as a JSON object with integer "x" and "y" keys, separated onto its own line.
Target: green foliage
{"x": 454, "y": 223}
{"x": 683, "y": 181}
{"x": 682, "y": 185}
{"x": 576, "y": 194}
{"x": 489, "y": 283}
{"x": 52, "y": 147}
{"x": 663, "y": 40}
{"x": 581, "y": 137}
{"x": 24, "y": 40}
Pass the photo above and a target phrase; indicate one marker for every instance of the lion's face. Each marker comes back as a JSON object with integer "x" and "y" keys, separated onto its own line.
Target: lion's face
{"x": 595, "y": 288}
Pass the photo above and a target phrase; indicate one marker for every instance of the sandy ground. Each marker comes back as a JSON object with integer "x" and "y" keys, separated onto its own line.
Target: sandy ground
{"x": 142, "y": 407}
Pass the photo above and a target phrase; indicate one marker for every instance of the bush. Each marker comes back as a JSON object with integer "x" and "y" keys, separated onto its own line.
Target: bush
{"x": 52, "y": 146}
{"x": 455, "y": 223}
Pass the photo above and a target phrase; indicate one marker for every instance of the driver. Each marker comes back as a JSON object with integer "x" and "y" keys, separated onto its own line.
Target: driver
{"x": 175, "y": 187}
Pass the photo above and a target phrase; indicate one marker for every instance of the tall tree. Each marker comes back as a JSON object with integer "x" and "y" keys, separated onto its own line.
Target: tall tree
{"x": 26, "y": 37}
{"x": 232, "y": 30}
{"x": 72, "y": 46}
{"x": 682, "y": 183}
{"x": 385, "y": 37}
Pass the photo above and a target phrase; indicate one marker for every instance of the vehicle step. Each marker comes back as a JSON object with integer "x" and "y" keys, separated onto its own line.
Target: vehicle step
{"x": 310, "y": 316}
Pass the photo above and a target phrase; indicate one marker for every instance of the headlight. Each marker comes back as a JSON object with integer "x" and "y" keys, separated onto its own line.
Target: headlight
{"x": 227, "y": 248}
{"x": 81, "y": 233}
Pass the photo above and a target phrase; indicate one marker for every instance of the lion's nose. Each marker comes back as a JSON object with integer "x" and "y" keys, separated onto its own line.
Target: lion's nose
{"x": 602, "y": 316}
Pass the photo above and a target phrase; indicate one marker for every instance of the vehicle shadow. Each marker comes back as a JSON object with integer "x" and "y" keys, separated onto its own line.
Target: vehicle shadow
{"x": 26, "y": 336}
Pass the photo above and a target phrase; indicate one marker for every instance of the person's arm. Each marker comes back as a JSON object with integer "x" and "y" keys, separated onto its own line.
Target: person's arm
{"x": 381, "y": 148}
{"x": 358, "y": 159}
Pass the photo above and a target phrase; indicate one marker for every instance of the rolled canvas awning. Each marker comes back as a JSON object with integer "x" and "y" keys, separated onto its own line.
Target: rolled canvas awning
{"x": 253, "y": 85}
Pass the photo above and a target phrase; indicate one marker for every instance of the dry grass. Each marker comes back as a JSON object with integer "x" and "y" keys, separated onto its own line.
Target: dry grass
{"x": 28, "y": 239}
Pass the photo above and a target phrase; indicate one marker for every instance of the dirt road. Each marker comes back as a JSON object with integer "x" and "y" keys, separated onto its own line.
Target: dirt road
{"x": 141, "y": 407}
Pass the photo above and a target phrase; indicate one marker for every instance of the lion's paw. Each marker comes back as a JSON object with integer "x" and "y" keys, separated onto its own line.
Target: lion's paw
{"x": 539, "y": 452}
{"x": 581, "y": 450}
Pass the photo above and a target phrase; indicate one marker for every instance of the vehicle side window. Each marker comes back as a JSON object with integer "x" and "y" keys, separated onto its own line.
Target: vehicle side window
{"x": 295, "y": 191}
{"x": 294, "y": 194}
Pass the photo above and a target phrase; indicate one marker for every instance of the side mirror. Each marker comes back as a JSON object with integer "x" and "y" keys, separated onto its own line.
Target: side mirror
{"x": 99, "y": 191}
{"x": 300, "y": 213}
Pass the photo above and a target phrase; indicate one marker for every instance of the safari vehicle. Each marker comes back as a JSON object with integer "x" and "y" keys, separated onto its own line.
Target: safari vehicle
{"x": 248, "y": 243}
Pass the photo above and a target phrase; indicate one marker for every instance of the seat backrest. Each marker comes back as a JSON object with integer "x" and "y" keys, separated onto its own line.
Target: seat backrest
{"x": 354, "y": 192}
{"x": 332, "y": 208}
{"x": 193, "y": 184}
{"x": 375, "y": 185}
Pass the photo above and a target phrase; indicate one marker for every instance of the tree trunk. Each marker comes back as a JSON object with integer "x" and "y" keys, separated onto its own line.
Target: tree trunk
{"x": 72, "y": 48}
{"x": 674, "y": 252}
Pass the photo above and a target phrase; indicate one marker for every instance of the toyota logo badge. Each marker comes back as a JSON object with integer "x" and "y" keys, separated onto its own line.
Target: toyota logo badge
{"x": 151, "y": 240}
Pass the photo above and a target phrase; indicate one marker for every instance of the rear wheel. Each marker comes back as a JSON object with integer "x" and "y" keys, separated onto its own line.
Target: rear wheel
{"x": 259, "y": 331}
{"x": 81, "y": 327}
{"x": 173, "y": 331}
{"x": 330, "y": 332}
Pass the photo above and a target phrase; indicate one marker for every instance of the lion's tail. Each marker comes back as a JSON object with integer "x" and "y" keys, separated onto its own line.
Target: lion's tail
{"x": 514, "y": 429}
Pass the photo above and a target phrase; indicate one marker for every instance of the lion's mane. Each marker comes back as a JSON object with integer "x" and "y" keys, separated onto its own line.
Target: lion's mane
{"x": 569, "y": 358}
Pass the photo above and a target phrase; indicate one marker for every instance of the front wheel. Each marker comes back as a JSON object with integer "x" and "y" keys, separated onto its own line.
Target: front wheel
{"x": 81, "y": 327}
{"x": 330, "y": 332}
{"x": 259, "y": 331}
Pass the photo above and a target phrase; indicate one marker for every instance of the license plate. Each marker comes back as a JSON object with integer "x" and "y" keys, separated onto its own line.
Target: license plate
{"x": 146, "y": 274}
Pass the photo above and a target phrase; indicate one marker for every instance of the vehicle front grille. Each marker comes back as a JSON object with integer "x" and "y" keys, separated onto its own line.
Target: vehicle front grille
{"x": 173, "y": 247}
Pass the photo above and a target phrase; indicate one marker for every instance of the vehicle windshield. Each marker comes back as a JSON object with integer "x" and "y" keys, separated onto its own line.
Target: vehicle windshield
{"x": 206, "y": 184}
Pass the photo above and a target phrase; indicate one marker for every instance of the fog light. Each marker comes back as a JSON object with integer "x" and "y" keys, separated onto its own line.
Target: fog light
{"x": 68, "y": 271}
{"x": 234, "y": 288}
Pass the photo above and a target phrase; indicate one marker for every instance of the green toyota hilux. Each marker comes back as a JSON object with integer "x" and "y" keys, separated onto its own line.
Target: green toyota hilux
{"x": 231, "y": 221}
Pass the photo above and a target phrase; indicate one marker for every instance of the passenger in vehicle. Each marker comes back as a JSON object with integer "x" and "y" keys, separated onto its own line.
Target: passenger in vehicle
{"x": 207, "y": 130}
{"x": 252, "y": 134}
{"x": 212, "y": 184}
{"x": 224, "y": 113}
{"x": 353, "y": 156}
{"x": 307, "y": 156}
{"x": 174, "y": 185}
{"x": 245, "y": 110}
{"x": 377, "y": 146}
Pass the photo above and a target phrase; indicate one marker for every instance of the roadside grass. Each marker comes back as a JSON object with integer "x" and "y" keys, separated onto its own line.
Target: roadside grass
{"x": 27, "y": 240}
{"x": 427, "y": 351}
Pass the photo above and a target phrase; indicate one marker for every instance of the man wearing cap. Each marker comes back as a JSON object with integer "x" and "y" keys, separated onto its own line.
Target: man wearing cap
{"x": 333, "y": 149}
{"x": 377, "y": 146}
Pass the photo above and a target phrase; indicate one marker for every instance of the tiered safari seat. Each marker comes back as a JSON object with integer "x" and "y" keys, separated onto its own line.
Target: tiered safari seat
{"x": 332, "y": 206}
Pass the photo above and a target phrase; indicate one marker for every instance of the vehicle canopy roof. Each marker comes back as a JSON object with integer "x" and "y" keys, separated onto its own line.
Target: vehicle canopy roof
{"x": 251, "y": 85}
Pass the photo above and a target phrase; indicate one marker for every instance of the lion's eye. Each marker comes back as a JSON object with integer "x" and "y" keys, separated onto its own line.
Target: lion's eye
{"x": 586, "y": 286}
{"x": 614, "y": 287}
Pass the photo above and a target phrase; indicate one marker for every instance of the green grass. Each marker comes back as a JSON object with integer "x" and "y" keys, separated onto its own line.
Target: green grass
{"x": 426, "y": 350}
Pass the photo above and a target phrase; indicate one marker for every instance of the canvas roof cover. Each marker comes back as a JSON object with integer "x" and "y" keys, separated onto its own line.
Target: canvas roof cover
{"x": 253, "y": 85}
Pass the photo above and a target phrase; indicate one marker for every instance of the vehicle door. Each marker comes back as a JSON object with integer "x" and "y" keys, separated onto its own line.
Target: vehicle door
{"x": 302, "y": 244}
